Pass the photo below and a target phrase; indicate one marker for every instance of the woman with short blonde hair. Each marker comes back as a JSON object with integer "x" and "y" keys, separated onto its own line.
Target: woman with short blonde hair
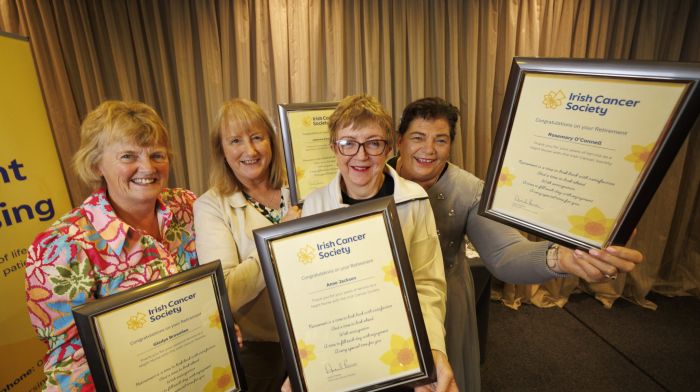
{"x": 361, "y": 139}
{"x": 358, "y": 111}
{"x": 116, "y": 121}
{"x": 130, "y": 231}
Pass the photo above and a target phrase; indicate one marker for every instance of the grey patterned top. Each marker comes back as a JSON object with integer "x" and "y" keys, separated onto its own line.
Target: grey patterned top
{"x": 505, "y": 252}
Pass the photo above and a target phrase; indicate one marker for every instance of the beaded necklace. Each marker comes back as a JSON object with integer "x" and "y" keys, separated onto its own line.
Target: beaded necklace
{"x": 273, "y": 215}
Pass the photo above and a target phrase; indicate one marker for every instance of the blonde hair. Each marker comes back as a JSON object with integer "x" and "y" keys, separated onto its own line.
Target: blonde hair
{"x": 244, "y": 114}
{"x": 356, "y": 111}
{"x": 130, "y": 122}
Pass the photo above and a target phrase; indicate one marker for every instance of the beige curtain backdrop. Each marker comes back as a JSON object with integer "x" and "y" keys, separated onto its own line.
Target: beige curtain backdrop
{"x": 185, "y": 57}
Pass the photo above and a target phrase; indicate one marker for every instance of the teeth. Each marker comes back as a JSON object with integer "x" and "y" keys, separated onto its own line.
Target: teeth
{"x": 421, "y": 160}
{"x": 144, "y": 181}
{"x": 249, "y": 161}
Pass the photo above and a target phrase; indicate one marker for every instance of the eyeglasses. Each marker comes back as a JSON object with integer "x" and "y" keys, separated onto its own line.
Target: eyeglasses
{"x": 351, "y": 147}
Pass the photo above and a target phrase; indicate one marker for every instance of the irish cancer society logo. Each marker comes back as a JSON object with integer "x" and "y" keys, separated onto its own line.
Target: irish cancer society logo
{"x": 306, "y": 254}
{"x": 553, "y": 99}
{"x": 595, "y": 104}
{"x": 136, "y": 321}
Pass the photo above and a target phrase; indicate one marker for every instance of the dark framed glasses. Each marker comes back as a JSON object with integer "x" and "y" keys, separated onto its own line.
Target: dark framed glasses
{"x": 352, "y": 147}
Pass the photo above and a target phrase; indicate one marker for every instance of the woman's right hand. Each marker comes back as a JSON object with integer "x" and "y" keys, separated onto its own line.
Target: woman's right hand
{"x": 293, "y": 213}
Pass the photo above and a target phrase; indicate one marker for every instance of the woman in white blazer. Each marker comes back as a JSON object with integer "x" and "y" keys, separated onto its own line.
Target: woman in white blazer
{"x": 361, "y": 138}
{"x": 247, "y": 192}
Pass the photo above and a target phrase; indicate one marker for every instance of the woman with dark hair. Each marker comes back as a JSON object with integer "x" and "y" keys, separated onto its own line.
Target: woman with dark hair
{"x": 426, "y": 132}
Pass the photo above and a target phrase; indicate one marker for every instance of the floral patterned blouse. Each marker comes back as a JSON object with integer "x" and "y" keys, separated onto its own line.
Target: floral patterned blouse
{"x": 91, "y": 253}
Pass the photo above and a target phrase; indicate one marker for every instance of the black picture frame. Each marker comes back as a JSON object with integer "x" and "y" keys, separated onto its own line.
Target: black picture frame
{"x": 313, "y": 228}
{"x": 317, "y": 160}
{"x": 561, "y": 133}
{"x": 93, "y": 337}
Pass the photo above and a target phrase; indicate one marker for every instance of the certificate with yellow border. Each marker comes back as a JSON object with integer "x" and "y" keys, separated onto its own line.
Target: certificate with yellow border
{"x": 344, "y": 299}
{"x": 309, "y": 159}
{"x": 174, "y": 334}
{"x": 582, "y": 145}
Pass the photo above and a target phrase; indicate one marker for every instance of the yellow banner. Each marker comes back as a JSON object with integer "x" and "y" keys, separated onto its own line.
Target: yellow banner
{"x": 32, "y": 195}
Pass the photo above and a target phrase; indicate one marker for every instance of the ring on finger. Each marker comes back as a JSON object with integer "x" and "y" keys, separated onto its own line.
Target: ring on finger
{"x": 611, "y": 276}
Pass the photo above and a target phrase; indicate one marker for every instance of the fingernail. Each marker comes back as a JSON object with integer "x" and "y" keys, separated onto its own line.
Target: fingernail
{"x": 610, "y": 249}
{"x": 594, "y": 252}
{"x": 578, "y": 253}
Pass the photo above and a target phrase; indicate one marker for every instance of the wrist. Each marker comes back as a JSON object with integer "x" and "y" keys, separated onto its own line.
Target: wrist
{"x": 552, "y": 258}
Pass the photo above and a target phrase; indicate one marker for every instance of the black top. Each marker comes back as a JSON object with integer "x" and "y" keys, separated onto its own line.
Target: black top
{"x": 387, "y": 189}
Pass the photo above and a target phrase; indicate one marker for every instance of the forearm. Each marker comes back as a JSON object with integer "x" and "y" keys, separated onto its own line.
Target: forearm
{"x": 244, "y": 278}
{"x": 49, "y": 307}
{"x": 429, "y": 275}
{"x": 215, "y": 241}
{"x": 244, "y": 283}
{"x": 508, "y": 255}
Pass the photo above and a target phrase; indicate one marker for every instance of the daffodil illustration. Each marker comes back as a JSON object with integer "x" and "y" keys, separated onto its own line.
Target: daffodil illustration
{"x": 136, "y": 321}
{"x": 306, "y": 254}
{"x": 307, "y": 121}
{"x": 221, "y": 380}
{"x": 640, "y": 155}
{"x": 594, "y": 225}
{"x": 299, "y": 171}
{"x": 390, "y": 274}
{"x": 506, "y": 178}
{"x": 553, "y": 99}
{"x": 401, "y": 355}
{"x": 215, "y": 320}
{"x": 306, "y": 352}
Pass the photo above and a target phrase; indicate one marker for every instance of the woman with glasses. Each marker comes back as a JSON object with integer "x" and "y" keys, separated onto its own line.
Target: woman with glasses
{"x": 361, "y": 138}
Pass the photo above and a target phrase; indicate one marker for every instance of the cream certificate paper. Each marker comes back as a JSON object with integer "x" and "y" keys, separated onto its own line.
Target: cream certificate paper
{"x": 314, "y": 161}
{"x": 345, "y": 305}
{"x": 172, "y": 341}
{"x": 576, "y": 149}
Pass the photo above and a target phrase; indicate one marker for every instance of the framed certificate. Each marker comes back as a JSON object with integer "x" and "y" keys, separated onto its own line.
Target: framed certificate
{"x": 344, "y": 300}
{"x": 173, "y": 334}
{"x": 306, "y": 141}
{"x": 582, "y": 145}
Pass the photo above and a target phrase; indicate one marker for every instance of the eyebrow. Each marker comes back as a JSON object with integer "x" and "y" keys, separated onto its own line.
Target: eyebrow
{"x": 422, "y": 133}
{"x": 153, "y": 150}
{"x": 373, "y": 137}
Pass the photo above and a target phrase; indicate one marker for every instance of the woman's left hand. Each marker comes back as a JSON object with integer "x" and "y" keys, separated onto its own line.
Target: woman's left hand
{"x": 239, "y": 335}
{"x": 293, "y": 213}
{"x": 599, "y": 265}
{"x": 445, "y": 378}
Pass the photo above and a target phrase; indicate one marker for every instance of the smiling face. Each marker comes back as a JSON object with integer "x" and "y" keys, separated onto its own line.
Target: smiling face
{"x": 424, "y": 149}
{"x": 363, "y": 174}
{"x": 248, "y": 153}
{"x": 134, "y": 175}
